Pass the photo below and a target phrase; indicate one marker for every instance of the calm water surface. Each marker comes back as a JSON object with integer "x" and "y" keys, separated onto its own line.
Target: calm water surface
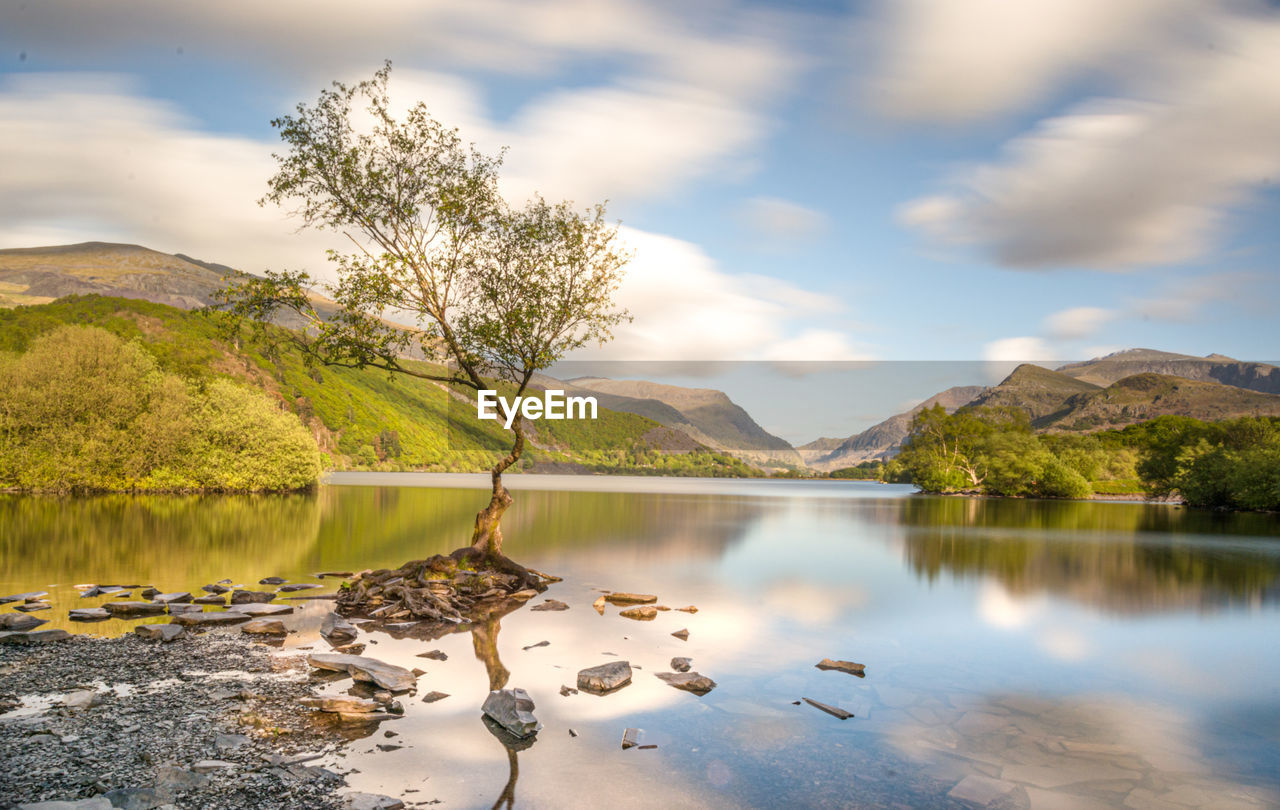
{"x": 1031, "y": 654}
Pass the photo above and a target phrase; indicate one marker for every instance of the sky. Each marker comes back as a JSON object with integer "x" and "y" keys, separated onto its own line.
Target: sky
{"x": 913, "y": 180}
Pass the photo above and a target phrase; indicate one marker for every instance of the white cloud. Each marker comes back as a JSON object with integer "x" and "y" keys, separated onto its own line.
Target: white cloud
{"x": 1077, "y": 322}
{"x": 775, "y": 218}
{"x": 1124, "y": 182}
{"x": 1018, "y": 350}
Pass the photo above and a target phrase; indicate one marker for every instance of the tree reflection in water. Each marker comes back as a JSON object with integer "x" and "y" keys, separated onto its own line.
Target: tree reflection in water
{"x": 484, "y": 638}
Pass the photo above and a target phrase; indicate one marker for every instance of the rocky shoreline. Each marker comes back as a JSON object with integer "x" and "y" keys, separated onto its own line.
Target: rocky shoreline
{"x": 207, "y": 720}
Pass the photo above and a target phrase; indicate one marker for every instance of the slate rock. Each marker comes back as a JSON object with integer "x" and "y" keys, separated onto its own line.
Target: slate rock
{"x": 272, "y": 581}
{"x": 337, "y": 629}
{"x": 644, "y": 613}
{"x": 688, "y": 681}
{"x": 843, "y": 666}
{"x": 136, "y": 798}
{"x": 19, "y": 621}
{"x": 264, "y": 627}
{"x": 551, "y": 604}
{"x": 214, "y": 589}
{"x": 96, "y": 803}
{"x": 211, "y": 599}
{"x": 681, "y": 664}
{"x": 599, "y": 605}
{"x": 306, "y": 586}
{"x": 259, "y": 609}
{"x": 605, "y": 677}
{"x": 834, "y": 711}
{"x": 433, "y": 696}
{"x": 341, "y": 703}
{"x": 434, "y": 655}
{"x": 683, "y": 635}
{"x": 33, "y": 636}
{"x": 210, "y": 619}
{"x": 89, "y": 614}
{"x": 212, "y": 765}
{"x": 32, "y": 607}
{"x": 513, "y": 710}
{"x": 29, "y": 596}
{"x": 176, "y": 597}
{"x": 370, "y": 801}
{"x": 361, "y": 668}
{"x": 160, "y": 632}
{"x": 630, "y": 598}
{"x": 82, "y": 699}
{"x": 249, "y": 597}
{"x": 135, "y": 608}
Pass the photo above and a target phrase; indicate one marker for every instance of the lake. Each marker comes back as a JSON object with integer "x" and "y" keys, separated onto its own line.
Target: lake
{"x": 1019, "y": 653}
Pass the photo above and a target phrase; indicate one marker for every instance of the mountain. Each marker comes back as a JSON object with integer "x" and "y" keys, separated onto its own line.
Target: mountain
{"x": 1212, "y": 368}
{"x": 882, "y": 441}
{"x": 1146, "y": 396}
{"x": 1036, "y": 390}
{"x": 40, "y": 275}
{"x": 705, "y": 414}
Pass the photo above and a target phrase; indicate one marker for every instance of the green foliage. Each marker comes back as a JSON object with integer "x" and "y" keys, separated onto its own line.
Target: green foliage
{"x": 84, "y": 410}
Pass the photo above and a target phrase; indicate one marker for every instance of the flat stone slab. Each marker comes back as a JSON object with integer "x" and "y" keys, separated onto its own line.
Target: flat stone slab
{"x": 304, "y": 586}
{"x": 688, "y": 681}
{"x": 159, "y": 632}
{"x": 247, "y": 597}
{"x": 337, "y": 629}
{"x": 259, "y": 609}
{"x": 338, "y": 703}
{"x": 264, "y": 627}
{"x": 834, "y": 711}
{"x": 29, "y": 596}
{"x": 135, "y": 608}
{"x": 551, "y": 604}
{"x": 211, "y": 599}
{"x": 33, "y": 636}
{"x": 89, "y": 614}
{"x": 683, "y": 635}
{"x": 605, "y": 677}
{"x": 19, "y": 621}
{"x": 843, "y": 666}
{"x": 630, "y": 598}
{"x": 361, "y": 668}
{"x": 644, "y": 613}
{"x": 433, "y": 696}
{"x": 434, "y": 655}
{"x": 177, "y": 596}
{"x": 32, "y": 607}
{"x": 370, "y": 801}
{"x": 210, "y": 619}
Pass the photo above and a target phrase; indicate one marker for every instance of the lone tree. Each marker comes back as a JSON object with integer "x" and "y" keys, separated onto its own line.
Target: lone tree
{"x": 500, "y": 291}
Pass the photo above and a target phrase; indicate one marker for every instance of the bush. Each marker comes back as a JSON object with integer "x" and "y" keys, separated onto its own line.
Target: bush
{"x": 1058, "y": 480}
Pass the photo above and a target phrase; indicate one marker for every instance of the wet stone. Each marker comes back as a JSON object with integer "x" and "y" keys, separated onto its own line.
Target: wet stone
{"x": 299, "y": 587}
{"x": 605, "y": 677}
{"x": 19, "y": 621}
{"x": 433, "y": 696}
{"x": 630, "y": 598}
{"x": 341, "y": 704}
{"x": 565, "y": 691}
{"x": 644, "y": 613}
{"x": 89, "y": 614}
{"x": 32, "y": 607}
{"x": 29, "y": 596}
{"x": 688, "y": 681}
{"x": 551, "y": 604}
{"x": 209, "y": 619}
{"x": 371, "y": 801}
{"x": 33, "y": 636}
{"x": 259, "y": 609}
{"x": 134, "y": 608}
{"x": 681, "y": 664}
{"x": 264, "y": 627}
{"x": 513, "y": 710}
{"x": 842, "y": 666}
{"x": 539, "y": 644}
{"x": 834, "y": 711}
{"x": 683, "y": 635}
{"x": 159, "y": 632}
{"x": 631, "y": 737}
{"x": 272, "y": 581}
{"x": 599, "y": 605}
{"x": 388, "y": 676}
{"x": 248, "y": 597}
{"x": 211, "y": 599}
{"x": 434, "y": 655}
{"x": 214, "y": 589}
{"x": 178, "y": 596}
{"x": 337, "y": 629}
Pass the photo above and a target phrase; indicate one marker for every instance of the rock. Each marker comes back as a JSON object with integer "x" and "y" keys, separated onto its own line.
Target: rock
{"x": 631, "y": 737}
{"x": 229, "y": 742}
{"x": 434, "y": 655}
{"x": 565, "y": 691}
{"x": 337, "y": 629}
{"x": 352, "y": 649}
{"x": 395, "y": 707}
{"x": 101, "y": 590}
{"x": 513, "y": 710}
{"x": 340, "y": 703}
{"x": 135, "y": 608}
{"x": 183, "y": 607}
{"x": 211, "y": 599}
{"x": 551, "y": 604}
{"x": 605, "y": 677}
{"x": 371, "y": 801}
{"x": 259, "y": 609}
{"x": 572, "y": 733}
{"x": 264, "y": 627}
{"x": 599, "y": 605}
{"x": 688, "y": 609}
{"x": 147, "y": 593}
{"x": 843, "y": 666}
{"x": 688, "y": 681}
{"x": 681, "y": 664}
{"x": 19, "y": 621}
{"x": 211, "y": 765}
{"x": 338, "y": 574}
{"x": 981, "y": 791}
{"x": 135, "y": 798}
{"x": 272, "y": 581}
{"x": 210, "y": 619}
{"x": 96, "y": 803}
{"x": 644, "y": 613}
{"x": 29, "y": 596}
{"x": 299, "y": 587}
{"x": 433, "y": 696}
{"x": 32, "y": 607}
{"x": 248, "y": 597}
{"x": 215, "y": 589}
{"x": 388, "y": 676}
{"x": 539, "y": 644}
{"x": 82, "y": 699}
{"x": 33, "y": 636}
{"x": 159, "y": 632}
{"x": 177, "y": 596}
{"x": 630, "y": 598}
{"x": 683, "y": 635}
{"x": 175, "y": 778}
{"x": 525, "y": 595}
{"x": 834, "y": 711}
{"x": 89, "y": 614}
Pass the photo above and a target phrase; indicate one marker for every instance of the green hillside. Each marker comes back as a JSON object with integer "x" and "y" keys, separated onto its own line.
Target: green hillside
{"x": 1039, "y": 392}
{"x": 367, "y": 419}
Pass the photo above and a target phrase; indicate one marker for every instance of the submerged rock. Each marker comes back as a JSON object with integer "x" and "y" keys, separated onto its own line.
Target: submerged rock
{"x": 338, "y": 574}
{"x": 834, "y": 711}
{"x": 32, "y": 607}
{"x": 134, "y": 608}
{"x": 388, "y": 676}
{"x": 247, "y": 597}
{"x": 259, "y": 609}
{"x": 264, "y": 627}
{"x": 210, "y": 619}
{"x": 306, "y": 586}
{"x": 183, "y": 607}
{"x": 159, "y": 632}
{"x": 211, "y": 599}
{"x": 843, "y": 666}
{"x": 102, "y": 590}
{"x": 177, "y": 596}
{"x": 513, "y": 710}
{"x": 688, "y": 681}
{"x": 337, "y": 629}
{"x": 630, "y": 598}
{"x": 644, "y": 613}
{"x": 19, "y": 621}
{"x": 551, "y": 604}
{"x": 605, "y": 677}
{"x": 681, "y": 664}
{"x": 215, "y": 588}
{"x": 29, "y": 596}
{"x": 272, "y": 581}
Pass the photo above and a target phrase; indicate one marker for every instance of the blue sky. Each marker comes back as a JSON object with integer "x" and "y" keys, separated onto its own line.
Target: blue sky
{"x": 915, "y": 180}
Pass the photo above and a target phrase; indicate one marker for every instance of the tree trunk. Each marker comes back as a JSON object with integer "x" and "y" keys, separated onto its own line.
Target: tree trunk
{"x": 486, "y": 540}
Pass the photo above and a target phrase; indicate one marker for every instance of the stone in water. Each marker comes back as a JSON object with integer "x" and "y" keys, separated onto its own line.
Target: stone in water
{"x": 513, "y": 710}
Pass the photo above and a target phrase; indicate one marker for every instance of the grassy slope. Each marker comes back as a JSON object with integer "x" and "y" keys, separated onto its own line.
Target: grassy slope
{"x": 350, "y": 410}
{"x": 1146, "y": 396}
